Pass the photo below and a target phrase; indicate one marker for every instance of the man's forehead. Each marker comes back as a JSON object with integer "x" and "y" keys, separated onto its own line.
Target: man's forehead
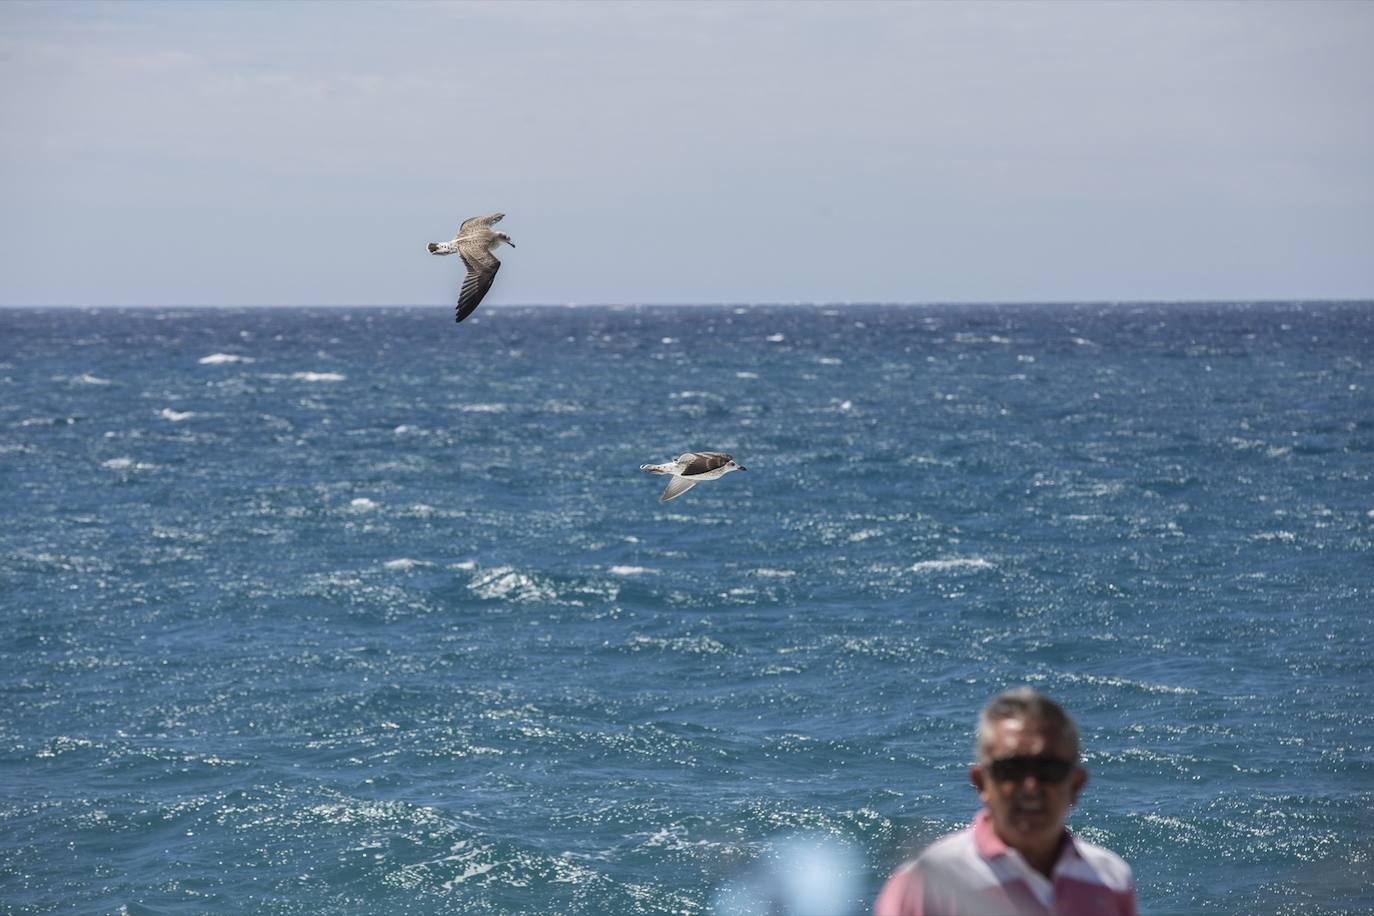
{"x": 1030, "y": 733}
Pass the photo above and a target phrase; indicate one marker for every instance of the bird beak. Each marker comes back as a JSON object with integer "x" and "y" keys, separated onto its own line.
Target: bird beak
{"x": 743, "y": 468}
{"x": 510, "y": 243}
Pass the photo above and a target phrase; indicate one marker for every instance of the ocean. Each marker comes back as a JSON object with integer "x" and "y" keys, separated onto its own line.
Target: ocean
{"x": 314, "y": 610}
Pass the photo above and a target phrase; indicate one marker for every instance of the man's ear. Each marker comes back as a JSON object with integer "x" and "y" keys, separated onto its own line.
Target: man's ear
{"x": 1077, "y": 781}
{"x": 977, "y": 777}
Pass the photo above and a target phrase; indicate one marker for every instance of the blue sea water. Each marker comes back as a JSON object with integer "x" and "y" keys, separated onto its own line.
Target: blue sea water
{"x": 359, "y": 611}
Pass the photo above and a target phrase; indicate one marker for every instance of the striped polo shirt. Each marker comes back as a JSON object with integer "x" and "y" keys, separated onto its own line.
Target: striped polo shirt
{"x": 974, "y": 873}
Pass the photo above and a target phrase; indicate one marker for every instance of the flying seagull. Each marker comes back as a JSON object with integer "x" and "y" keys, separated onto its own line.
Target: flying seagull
{"x": 474, "y": 243}
{"x": 691, "y": 468}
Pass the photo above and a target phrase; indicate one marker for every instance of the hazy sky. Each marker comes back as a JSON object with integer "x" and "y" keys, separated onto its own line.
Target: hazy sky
{"x": 246, "y": 153}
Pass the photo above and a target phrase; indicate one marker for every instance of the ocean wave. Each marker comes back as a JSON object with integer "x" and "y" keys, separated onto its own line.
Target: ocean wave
{"x": 505, "y": 583}
{"x": 221, "y": 359}
{"x": 63, "y": 744}
{"x": 693, "y": 645}
{"x": 176, "y": 416}
{"x": 1098, "y": 680}
{"x": 319, "y": 376}
{"x": 970, "y": 563}
{"x": 630, "y": 570}
{"x": 125, "y": 464}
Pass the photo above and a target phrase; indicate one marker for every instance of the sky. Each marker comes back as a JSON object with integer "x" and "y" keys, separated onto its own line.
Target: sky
{"x": 251, "y": 153}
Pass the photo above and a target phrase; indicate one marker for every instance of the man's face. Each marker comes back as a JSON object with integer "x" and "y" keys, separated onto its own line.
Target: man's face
{"x": 1016, "y": 780}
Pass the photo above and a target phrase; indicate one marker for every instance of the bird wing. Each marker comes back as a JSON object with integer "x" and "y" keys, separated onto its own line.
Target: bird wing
{"x": 676, "y": 487}
{"x": 482, "y": 267}
{"x": 701, "y": 462}
{"x": 478, "y": 222}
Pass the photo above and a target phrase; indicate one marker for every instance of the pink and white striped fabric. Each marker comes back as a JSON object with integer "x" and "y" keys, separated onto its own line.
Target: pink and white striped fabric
{"x": 974, "y": 873}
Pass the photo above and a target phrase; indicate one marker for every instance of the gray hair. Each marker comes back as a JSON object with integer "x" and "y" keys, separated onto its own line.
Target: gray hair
{"x": 1024, "y": 703}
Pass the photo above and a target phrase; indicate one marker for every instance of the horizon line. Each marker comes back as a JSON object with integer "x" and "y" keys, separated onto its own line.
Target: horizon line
{"x": 1338, "y": 300}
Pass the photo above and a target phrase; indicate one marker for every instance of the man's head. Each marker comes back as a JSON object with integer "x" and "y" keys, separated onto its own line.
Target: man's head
{"x": 1027, "y": 773}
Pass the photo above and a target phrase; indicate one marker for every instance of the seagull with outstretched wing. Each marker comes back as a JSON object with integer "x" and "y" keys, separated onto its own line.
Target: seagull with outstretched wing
{"x": 474, "y": 243}
{"x": 690, "y": 469}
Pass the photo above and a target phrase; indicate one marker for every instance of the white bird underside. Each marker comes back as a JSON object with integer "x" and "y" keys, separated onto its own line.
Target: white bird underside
{"x": 691, "y": 468}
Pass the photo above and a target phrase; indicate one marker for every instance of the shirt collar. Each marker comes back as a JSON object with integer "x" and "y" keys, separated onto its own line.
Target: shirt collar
{"x": 990, "y": 845}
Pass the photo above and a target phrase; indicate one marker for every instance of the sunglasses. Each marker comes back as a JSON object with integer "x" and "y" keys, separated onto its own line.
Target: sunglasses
{"x": 1044, "y": 769}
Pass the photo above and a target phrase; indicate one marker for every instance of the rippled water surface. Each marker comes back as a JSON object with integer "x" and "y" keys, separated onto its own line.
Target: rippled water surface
{"x": 361, "y": 611}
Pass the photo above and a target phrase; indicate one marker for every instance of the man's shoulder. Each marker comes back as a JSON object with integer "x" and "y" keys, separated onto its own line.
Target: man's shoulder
{"x": 956, "y": 849}
{"x": 947, "y": 869}
{"x": 1100, "y": 864}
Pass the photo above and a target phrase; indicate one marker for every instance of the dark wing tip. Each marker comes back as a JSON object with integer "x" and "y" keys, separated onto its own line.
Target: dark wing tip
{"x": 475, "y": 286}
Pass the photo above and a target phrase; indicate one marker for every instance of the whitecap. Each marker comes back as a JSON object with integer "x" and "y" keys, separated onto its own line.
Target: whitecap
{"x": 87, "y": 379}
{"x": 505, "y": 582}
{"x": 695, "y": 645}
{"x": 946, "y": 565}
{"x": 118, "y": 464}
{"x": 830, "y": 361}
{"x": 481, "y": 408}
{"x": 470, "y": 871}
{"x": 363, "y": 504}
{"x": 176, "y": 416}
{"x": 630, "y": 570}
{"x": 403, "y": 563}
{"x": 775, "y": 338}
{"x": 1114, "y": 681}
{"x": 217, "y": 359}
{"x": 746, "y": 375}
{"x": 318, "y": 376}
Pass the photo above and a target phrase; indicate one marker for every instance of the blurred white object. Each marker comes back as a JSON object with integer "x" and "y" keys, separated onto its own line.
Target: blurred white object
{"x": 805, "y": 875}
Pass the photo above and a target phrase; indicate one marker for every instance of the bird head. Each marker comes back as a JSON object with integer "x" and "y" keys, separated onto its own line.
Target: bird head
{"x": 502, "y": 237}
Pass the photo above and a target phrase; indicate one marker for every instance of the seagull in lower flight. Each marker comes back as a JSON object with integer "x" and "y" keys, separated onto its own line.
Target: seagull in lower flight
{"x": 689, "y": 469}
{"x": 474, "y": 243}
